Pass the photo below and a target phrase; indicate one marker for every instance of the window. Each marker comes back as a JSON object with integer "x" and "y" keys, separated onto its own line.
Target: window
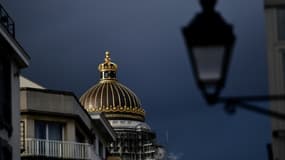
{"x": 48, "y": 130}
{"x": 47, "y": 135}
{"x": 5, "y": 94}
{"x": 281, "y": 24}
{"x": 108, "y": 74}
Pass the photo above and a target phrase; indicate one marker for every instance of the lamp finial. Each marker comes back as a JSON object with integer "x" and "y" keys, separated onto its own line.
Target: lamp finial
{"x": 208, "y": 5}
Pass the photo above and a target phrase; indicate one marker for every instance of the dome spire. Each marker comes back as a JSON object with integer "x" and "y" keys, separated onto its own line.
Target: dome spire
{"x": 108, "y": 68}
{"x": 107, "y": 57}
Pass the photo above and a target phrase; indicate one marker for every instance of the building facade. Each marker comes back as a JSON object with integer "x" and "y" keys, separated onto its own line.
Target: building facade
{"x": 275, "y": 31}
{"x": 56, "y": 126}
{"x": 135, "y": 140}
{"x": 12, "y": 59}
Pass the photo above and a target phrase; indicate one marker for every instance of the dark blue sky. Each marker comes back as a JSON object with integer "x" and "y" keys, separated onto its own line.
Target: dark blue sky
{"x": 67, "y": 40}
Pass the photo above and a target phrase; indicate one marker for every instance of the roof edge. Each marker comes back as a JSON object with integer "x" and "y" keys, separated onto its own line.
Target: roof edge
{"x": 21, "y": 54}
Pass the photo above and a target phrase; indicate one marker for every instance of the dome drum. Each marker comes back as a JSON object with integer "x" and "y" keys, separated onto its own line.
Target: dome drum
{"x": 119, "y": 116}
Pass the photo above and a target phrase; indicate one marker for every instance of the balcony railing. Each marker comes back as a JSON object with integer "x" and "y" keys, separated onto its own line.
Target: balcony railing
{"x": 59, "y": 149}
{"x": 7, "y": 21}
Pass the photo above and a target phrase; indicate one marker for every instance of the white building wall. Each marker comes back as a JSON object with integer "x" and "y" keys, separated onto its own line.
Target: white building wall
{"x": 47, "y": 101}
{"x": 52, "y": 102}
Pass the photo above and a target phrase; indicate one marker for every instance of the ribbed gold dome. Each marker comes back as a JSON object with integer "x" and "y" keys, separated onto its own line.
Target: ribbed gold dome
{"x": 111, "y": 97}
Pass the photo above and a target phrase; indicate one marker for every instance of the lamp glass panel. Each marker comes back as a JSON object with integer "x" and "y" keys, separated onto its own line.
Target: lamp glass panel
{"x": 209, "y": 61}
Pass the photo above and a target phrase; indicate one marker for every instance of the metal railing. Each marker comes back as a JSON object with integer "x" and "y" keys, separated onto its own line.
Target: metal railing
{"x": 22, "y": 135}
{"x": 6, "y": 21}
{"x": 59, "y": 149}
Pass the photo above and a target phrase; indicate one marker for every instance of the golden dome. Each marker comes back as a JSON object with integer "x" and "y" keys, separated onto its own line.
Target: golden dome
{"x": 111, "y": 97}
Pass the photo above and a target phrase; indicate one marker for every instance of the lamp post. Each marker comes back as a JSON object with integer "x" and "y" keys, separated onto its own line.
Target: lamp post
{"x": 210, "y": 42}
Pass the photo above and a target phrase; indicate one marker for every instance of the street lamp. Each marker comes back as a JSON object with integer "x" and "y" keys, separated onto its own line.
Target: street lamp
{"x": 210, "y": 41}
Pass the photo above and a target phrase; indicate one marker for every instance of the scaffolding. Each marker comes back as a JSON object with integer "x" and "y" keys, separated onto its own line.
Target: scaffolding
{"x": 134, "y": 144}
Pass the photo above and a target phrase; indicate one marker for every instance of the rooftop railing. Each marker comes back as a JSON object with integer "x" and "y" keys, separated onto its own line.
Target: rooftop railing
{"x": 6, "y": 21}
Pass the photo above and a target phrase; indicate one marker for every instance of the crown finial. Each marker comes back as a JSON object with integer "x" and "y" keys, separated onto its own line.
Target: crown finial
{"x": 107, "y": 57}
{"x": 108, "y": 68}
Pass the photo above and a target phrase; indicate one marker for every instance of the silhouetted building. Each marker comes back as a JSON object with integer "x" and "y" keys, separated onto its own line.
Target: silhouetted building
{"x": 135, "y": 140}
{"x": 12, "y": 59}
{"x": 275, "y": 26}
